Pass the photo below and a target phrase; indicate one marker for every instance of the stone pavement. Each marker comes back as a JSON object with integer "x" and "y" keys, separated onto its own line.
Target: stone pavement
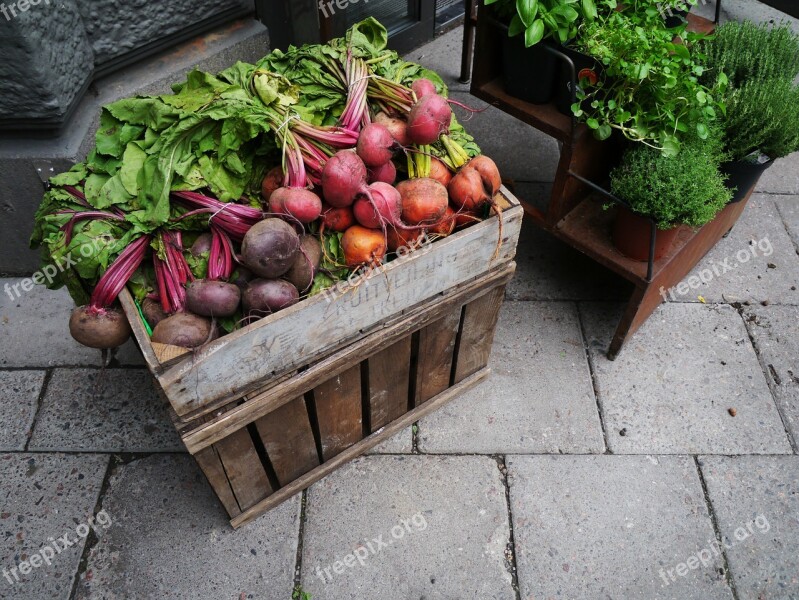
{"x": 670, "y": 473}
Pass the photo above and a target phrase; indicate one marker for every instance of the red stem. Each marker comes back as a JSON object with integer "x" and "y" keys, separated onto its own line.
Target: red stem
{"x": 119, "y": 273}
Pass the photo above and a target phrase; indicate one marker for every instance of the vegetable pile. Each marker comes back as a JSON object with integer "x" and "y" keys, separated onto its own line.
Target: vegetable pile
{"x": 244, "y": 192}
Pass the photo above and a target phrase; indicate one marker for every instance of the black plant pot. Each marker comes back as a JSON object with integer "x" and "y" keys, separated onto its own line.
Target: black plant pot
{"x": 528, "y": 73}
{"x": 743, "y": 175}
{"x": 677, "y": 17}
{"x": 563, "y": 79}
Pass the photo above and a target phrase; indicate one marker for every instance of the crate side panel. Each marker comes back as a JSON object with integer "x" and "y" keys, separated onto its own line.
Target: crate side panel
{"x": 389, "y": 383}
{"x": 211, "y": 466}
{"x": 436, "y": 350}
{"x": 289, "y": 441}
{"x": 339, "y": 412}
{"x": 243, "y": 467}
{"x": 477, "y": 333}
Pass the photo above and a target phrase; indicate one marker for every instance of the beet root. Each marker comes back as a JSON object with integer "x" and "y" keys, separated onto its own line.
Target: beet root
{"x": 213, "y": 298}
{"x": 153, "y": 312}
{"x": 99, "y": 328}
{"x": 338, "y": 219}
{"x": 375, "y": 145}
{"x": 300, "y": 203}
{"x": 185, "y": 330}
{"x": 263, "y": 297}
{"x": 397, "y": 127}
{"x": 424, "y": 201}
{"x": 430, "y": 117}
{"x": 466, "y": 190}
{"x": 384, "y": 208}
{"x": 343, "y": 178}
{"x": 270, "y": 247}
{"x": 302, "y": 272}
{"x": 273, "y": 180}
{"x": 363, "y": 246}
{"x": 386, "y": 173}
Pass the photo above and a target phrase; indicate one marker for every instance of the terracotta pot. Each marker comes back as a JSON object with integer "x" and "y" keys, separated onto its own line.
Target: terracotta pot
{"x": 631, "y": 234}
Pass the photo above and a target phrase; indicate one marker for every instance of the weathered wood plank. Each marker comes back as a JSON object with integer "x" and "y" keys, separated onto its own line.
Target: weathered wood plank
{"x": 139, "y": 332}
{"x": 477, "y": 334}
{"x": 289, "y": 441}
{"x": 389, "y": 382}
{"x": 339, "y": 412}
{"x": 323, "y": 370}
{"x": 240, "y": 361}
{"x": 352, "y": 452}
{"x": 211, "y": 466}
{"x": 243, "y": 468}
{"x": 436, "y": 350}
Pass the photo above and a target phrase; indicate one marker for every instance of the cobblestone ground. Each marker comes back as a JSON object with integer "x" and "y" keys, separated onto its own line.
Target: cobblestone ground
{"x": 670, "y": 473}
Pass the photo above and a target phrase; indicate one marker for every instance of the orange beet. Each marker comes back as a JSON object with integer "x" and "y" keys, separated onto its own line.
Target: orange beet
{"x": 424, "y": 201}
{"x": 363, "y": 246}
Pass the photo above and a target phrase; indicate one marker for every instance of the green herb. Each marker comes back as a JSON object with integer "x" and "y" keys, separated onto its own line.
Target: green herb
{"x": 540, "y": 19}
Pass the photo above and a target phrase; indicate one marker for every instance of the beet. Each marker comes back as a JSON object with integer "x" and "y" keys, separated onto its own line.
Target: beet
{"x": 446, "y": 225}
{"x": 263, "y": 297}
{"x": 430, "y": 118}
{"x": 440, "y": 172}
{"x": 400, "y": 237}
{"x": 489, "y": 173}
{"x": 213, "y": 298}
{"x": 273, "y": 180}
{"x": 375, "y": 145}
{"x": 99, "y": 328}
{"x": 424, "y": 201}
{"x": 384, "y": 208}
{"x": 300, "y": 203}
{"x": 423, "y": 87}
{"x": 343, "y": 178}
{"x": 386, "y": 173}
{"x": 338, "y": 219}
{"x": 185, "y": 330}
{"x": 303, "y": 271}
{"x": 153, "y": 312}
{"x": 242, "y": 276}
{"x": 466, "y": 190}
{"x": 201, "y": 245}
{"x": 397, "y": 127}
{"x": 363, "y": 246}
{"x": 270, "y": 247}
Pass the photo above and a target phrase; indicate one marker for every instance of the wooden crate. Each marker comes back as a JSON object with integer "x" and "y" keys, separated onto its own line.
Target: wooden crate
{"x": 270, "y": 409}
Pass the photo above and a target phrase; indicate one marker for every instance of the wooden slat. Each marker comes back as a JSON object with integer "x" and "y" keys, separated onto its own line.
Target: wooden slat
{"x": 211, "y": 465}
{"x": 389, "y": 382}
{"x": 139, "y": 332}
{"x": 352, "y": 452}
{"x": 477, "y": 334}
{"x": 243, "y": 468}
{"x": 436, "y": 349}
{"x": 289, "y": 441}
{"x": 339, "y": 412}
{"x": 238, "y": 362}
{"x": 323, "y": 370}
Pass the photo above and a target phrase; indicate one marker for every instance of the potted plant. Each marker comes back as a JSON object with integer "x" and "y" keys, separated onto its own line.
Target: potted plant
{"x": 761, "y": 120}
{"x": 529, "y": 68}
{"x": 685, "y": 189}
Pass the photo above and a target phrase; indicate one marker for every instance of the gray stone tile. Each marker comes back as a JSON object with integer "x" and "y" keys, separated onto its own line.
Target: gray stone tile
{"x": 172, "y": 539}
{"x": 670, "y": 388}
{"x": 115, "y": 410}
{"x": 520, "y": 151}
{"x": 19, "y": 392}
{"x": 788, "y": 207}
{"x": 548, "y": 269}
{"x": 758, "y": 256}
{"x": 442, "y": 523}
{"x": 756, "y": 504}
{"x": 775, "y": 330}
{"x": 399, "y": 443}
{"x": 443, "y": 55}
{"x": 538, "y": 397}
{"x": 45, "y": 497}
{"x": 612, "y": 527}
{"x": 782, "y": 177}
{"x": 34, "y": 327}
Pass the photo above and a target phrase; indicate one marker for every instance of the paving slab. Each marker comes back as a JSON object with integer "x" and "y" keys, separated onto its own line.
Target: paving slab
{"x": 757, "y": 262}
{"x": 788, "y": 207}
{"x": 34, "y": 327}
{"x": 115, "y": 410}
{"x": 520, "y": 151}
{"x": 538, "y": 397}
{"x": 400, "y": 527}
{"x": 400, "y": 443}
{"x": 783, "y": 176}
{"x": 775, "y": 330}
{"x": 549, "y": 269}
{"x": 443, "y": 55}
{"x": 612, "y": 527}
{"x": 45, "y": 497}
{"x": 671, "y": 388}
{"x": 171, "y": 539}
{"x": 19, "y": 394}
{"x": 756, "y": 502}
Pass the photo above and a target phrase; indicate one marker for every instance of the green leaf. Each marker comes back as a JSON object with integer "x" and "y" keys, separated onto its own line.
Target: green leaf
{"x": 567, "y": 12}
{"x": 516, "y": 26}
{"x": 534, "y": 33}
{"x": 592, "y": 123}
{"x": 702, "y": 131}
{"x": 589, "y": 9}
{"x": 132, "y": 162}
{"x": 604, "y": 131}
{"x": 527, "y": 10}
